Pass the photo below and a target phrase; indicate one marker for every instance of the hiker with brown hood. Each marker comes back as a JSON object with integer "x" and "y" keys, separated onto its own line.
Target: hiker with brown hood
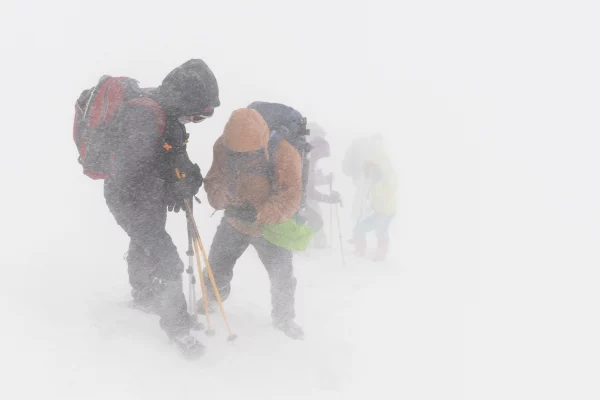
{"x": 255, "y": 189}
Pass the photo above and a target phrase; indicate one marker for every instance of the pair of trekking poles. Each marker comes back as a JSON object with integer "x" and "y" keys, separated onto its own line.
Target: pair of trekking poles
{"x": 195, "y": 243}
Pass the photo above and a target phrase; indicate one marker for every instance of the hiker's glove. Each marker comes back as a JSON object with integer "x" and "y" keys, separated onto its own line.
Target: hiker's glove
{"x": 175, "y": 205}
{"x": 247, "y": 212}
{"x": 184, "y": 188}
{"x": 335, "y": 197}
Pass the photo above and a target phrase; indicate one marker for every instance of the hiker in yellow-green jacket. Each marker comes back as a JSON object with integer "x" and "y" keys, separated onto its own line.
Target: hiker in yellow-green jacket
{"x": 380, "y": 200}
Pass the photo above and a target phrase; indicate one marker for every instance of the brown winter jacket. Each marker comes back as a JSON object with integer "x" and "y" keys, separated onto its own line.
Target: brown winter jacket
{"x": 246, "y": 131}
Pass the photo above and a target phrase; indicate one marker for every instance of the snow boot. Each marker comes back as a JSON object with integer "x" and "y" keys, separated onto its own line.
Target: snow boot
{"x": 194, "y": 324}
{"x": 188, "y": 345}
{"x": 382, "y": 250}
{"x": 290, "y": 328}
{"x": 152, "y": 306}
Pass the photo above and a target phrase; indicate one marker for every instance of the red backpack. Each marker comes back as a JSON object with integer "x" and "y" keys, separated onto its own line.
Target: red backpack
{"x": 96, "y": 121}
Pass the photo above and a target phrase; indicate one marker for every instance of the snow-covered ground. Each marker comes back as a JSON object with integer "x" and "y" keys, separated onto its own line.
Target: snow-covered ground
{"x": 372, "y": 328}
{"x": 490, "y": 110}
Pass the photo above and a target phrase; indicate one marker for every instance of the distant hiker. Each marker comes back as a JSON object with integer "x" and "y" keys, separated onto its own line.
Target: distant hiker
{"x": 377, "y": 183}
{"x": 319, "y": 149}
{"x": 316, "y": 130}
{"x": 135, "y": 140}
{"x": 256, "y": 177}
{"x": 352, "y": 166}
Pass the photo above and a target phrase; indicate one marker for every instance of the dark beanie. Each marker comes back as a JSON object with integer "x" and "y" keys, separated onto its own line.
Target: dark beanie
{"x": 190, "y": 88}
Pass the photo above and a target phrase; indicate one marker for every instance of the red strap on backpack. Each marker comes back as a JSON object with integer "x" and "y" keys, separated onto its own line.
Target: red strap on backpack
{"x": 156, "y": 110}
{"x": 95, "y": 111}
{"x": 106, "y": 102}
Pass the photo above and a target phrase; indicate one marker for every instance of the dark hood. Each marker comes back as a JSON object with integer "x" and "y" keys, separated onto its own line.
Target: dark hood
{"x": 189, "y": 89}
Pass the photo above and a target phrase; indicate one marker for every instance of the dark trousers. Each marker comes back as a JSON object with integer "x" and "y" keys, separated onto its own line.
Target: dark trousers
{"x": 153, "y": 263}
{"x": 229, "y": 244}
{"x": 380, "y": 223}
{"x": 314, "y": 218}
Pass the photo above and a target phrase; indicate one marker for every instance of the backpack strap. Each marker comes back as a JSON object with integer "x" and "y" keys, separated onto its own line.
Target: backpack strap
{"x": 155, "y": 108}
{"x": 104, "y": 100}
{"x": 275, "y": 137}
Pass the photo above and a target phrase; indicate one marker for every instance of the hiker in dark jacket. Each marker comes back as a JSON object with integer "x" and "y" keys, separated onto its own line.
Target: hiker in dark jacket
{"x": 319, "y": 149}
{"x": 239, "y": 183}
{"x": 143, "y": 185}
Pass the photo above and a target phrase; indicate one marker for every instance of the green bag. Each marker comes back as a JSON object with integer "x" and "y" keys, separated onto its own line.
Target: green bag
{"x": 289, "y": 235}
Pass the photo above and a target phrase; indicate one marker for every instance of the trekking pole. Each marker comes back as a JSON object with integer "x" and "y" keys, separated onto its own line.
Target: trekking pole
{"x": 209, "y": 330}
{"x": 331, "y": 212}
{"x": 190, "y": 270}
{"x": 337, "y": 214}
{"x": 191, "y": 246}
{"x": 192, "y": 307}
{"x": 198, "y": 243}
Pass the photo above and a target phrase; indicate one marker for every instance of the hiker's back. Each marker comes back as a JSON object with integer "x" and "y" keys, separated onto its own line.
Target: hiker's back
{"x": 139, "y": 140}
{"x": 101, "y": 113}
{"x": 287, "y": 123}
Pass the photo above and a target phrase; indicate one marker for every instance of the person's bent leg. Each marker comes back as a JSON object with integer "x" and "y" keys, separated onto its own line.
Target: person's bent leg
{"x": 359, "y": 237}
{"x": 279, "y": 264}
{"x": 227, "y": 246}
{"x": 383, "y": 237}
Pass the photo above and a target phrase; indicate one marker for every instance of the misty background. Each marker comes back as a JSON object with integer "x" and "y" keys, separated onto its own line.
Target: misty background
{"x": 489, "y": 112}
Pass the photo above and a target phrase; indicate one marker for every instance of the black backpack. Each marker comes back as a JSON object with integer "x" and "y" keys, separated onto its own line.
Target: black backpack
{"x": 96, "y": 114}
{"x": 284, "y": 122}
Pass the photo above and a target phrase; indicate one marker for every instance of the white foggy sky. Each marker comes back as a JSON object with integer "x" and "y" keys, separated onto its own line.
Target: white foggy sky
{"x": 490, "y": 109}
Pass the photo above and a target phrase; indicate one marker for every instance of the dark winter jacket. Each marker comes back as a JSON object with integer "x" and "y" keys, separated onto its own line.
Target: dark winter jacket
{"x": 144, "y": 159}
{"x": 151, "y": 142}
